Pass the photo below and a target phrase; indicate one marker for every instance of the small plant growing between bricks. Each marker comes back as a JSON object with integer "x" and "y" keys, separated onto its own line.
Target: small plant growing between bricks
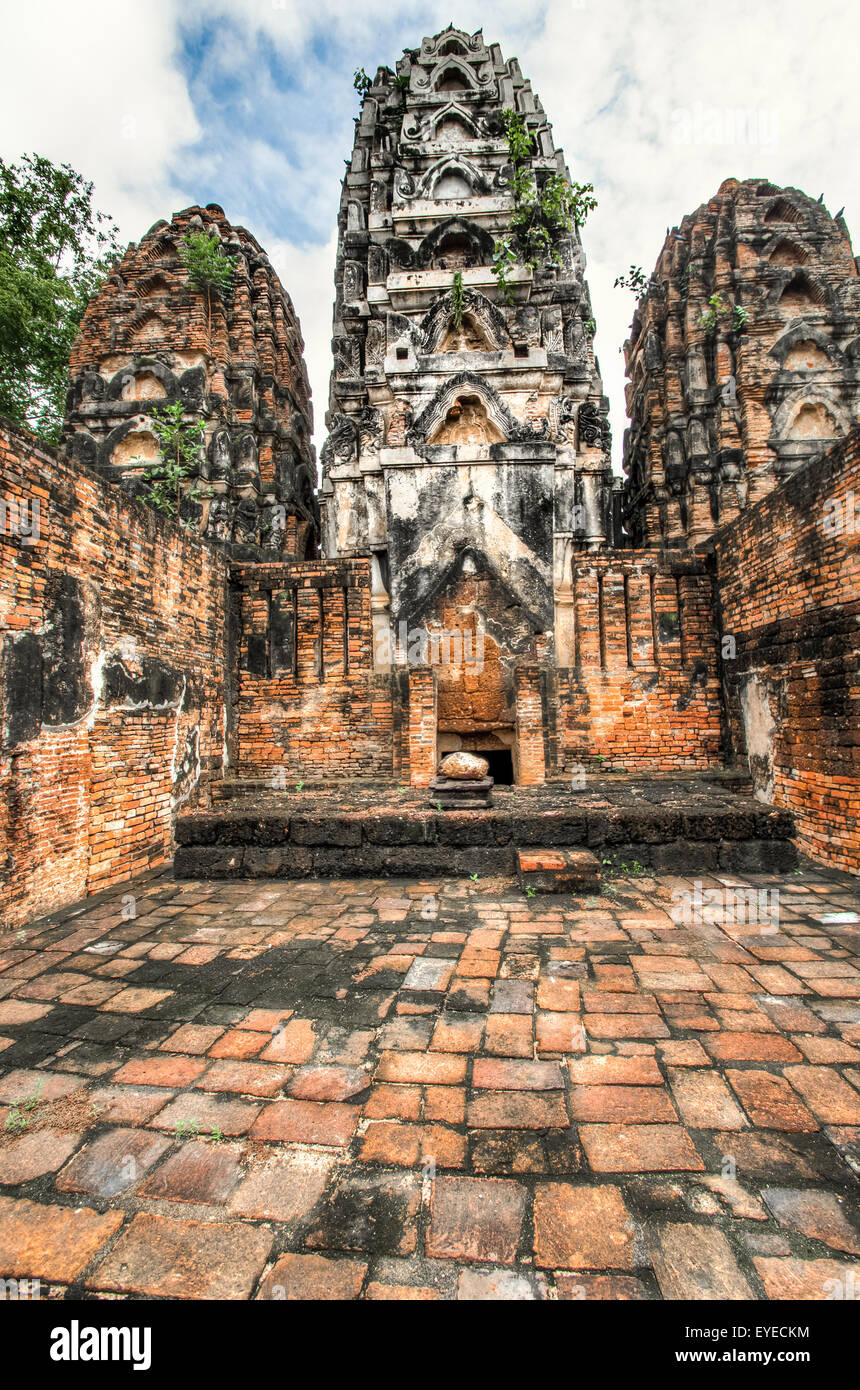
{"x": 457, "y": 299}
{"x": 546, "y": 208}
{"x": 717, "y": 309}
{"x": 179, "y": 445}
{"x": 17, "y": 1119}
{"x": 186, "y": 1129}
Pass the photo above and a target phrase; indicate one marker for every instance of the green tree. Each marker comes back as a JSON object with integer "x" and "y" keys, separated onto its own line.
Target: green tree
{"x": 55, "y": 250}
{"x": 209, "y": 268}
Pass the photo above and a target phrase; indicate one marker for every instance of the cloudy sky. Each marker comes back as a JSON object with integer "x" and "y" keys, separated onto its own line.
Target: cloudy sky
{"x": 250, "y": 104}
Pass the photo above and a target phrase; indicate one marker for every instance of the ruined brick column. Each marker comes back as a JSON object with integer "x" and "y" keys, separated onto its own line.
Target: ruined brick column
{"x": 422, "y": 725}
{"x": 530, "y": 743}
{"x": 743, "y": 359}
{"x": 148, "y": 339}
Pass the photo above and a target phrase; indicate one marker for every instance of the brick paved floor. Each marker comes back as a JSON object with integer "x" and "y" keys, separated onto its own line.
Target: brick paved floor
{"x": 433, "y": 1090}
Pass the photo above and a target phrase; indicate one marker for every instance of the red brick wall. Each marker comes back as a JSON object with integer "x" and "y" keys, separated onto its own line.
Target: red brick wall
{"x": 644, "y": 690}
{"x": 789, "y": 586}
{"x": 111, "y": 681}
{"x": 422, "y": 725}
{"x": 311, "y": 708}
{"x": 531, "y": 764}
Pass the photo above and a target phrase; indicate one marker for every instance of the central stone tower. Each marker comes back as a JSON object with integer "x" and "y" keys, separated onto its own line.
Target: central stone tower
{"x": 468, "y": 448}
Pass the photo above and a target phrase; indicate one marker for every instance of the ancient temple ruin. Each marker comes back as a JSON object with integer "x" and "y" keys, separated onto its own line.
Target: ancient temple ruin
{"x": 468, "y": 452}
{"x": 466, "y": 573}
{"x": 743, "y": 359}
{"x": 236, "y": 364}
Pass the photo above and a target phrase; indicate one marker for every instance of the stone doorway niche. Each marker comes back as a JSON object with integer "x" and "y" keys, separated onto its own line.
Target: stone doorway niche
{"x": 498, "y": 746}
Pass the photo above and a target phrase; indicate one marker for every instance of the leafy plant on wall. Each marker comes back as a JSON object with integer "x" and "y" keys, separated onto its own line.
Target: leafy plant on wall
{"x": 179, "y": 446}
{"x": 209, "y": 268}
{"x": 546, "y": 208}
{"x": 635, "y": 280}
{"x": 718, "y": 309}
{"x": 458, "y": 299}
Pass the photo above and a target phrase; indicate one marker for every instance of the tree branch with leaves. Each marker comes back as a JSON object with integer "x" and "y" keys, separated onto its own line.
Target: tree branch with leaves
{"x": 55, "y": 251}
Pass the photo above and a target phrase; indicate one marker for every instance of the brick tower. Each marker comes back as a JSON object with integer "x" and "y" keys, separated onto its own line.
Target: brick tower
{"x": 743, "y": 359}
{"x": 468, "y": 447}
{"x": 148, "y": 339}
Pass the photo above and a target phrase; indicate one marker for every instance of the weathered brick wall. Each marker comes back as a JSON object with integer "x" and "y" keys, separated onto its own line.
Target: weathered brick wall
{"x": 644, "y": 690}
{"x": 112, "y": 629}
{"x": 309, "y": 704}
{"x": 789, "y": 587}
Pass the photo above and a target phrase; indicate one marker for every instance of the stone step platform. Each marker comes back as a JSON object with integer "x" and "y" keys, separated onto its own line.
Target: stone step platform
{"x": 558, "y": 870}
{"x": 679, "y": 825}
{"x": 475, "y": 794}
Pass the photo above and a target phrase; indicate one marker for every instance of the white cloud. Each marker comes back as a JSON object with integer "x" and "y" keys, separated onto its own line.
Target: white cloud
{"x": 307, "y": 273}
{"x": 622, "y": 82}
{"x": 96, "y": 85}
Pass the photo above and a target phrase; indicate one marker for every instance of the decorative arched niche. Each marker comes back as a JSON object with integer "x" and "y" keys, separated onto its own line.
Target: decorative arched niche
{"x": 786, "y": 252}
{"x": 455, "y": 244}
{"x": 806, "y": 356}
{"x": 466, "y": 421}
{"x": 468, "y": 407}
{"x": 482, "y": 328}
{"x": 452, "y": 184}
{"x": 452, "y": 76}
{"x": 806, "y": 424}
{"x": 813, "y": 421}
{"x": 805, "y": 346}
{"x": 138, "y": 447}
{"x": 802, "y": 294}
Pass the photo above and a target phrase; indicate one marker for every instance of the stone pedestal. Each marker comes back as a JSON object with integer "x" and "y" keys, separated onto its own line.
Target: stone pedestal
{"x": 464, "y": 794}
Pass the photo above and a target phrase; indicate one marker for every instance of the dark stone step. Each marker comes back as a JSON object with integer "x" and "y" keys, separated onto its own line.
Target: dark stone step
{"x": 441, "y": 861}
{"x": 592, "y": 826}
{"x": 683, "y": 825}
{"x": 558, "y": 870}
